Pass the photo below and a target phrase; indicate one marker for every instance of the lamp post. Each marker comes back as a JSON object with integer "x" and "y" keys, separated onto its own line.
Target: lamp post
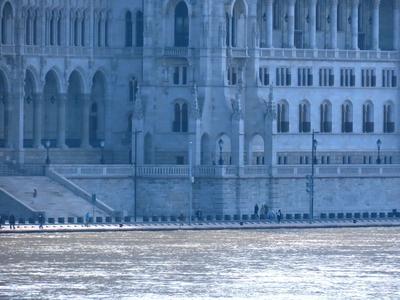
{"x": 48, "y": 152}
{"x": 136, "y": 132}
{"x": 220, "y": 144}
{"x": 379, "y": 144}
{"x": 102, "y": 152}
{"x": 310, "y": 179}
{"x": 191, "y": 181}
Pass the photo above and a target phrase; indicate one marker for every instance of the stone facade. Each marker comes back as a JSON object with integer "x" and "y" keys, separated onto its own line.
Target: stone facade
{"x": 76, "y": 74}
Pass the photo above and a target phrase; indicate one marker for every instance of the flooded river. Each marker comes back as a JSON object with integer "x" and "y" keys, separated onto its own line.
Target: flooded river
{"x": 257, "y": 264}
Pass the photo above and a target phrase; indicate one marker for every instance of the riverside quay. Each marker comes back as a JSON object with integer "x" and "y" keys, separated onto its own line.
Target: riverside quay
{"x": 219, "y": 109}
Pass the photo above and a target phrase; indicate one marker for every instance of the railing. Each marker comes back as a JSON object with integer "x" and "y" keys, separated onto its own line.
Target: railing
{"x": 176, "y": 51}
{"x": 173, "y": 171}
{"x": 329, "y": 54}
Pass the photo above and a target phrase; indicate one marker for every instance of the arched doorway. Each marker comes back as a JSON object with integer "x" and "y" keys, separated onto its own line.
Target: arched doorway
{"x": 74, "y": 111}
{"x": 51, "y": 101}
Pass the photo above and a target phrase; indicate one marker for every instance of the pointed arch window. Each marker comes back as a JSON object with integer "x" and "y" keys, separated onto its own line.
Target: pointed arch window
{"x": 368, "y": 118}
{"x": 181, "y": 118}
{"x": 58, "y": 33}
{"x": 28, "y": 29}
{"x": 7, "y": 24}
{"x": 128, "y": 29}
{"x": 304, "y": 117}
{"x": 326, "y": 117}
{"x": 139, "y": 29}
{"x": 181, "y": 25}
{"x": 347, "y": 117}
{"x": 282, "y": 117}
{"x": 83, "y": 31}
{"x": 388, "y": 121}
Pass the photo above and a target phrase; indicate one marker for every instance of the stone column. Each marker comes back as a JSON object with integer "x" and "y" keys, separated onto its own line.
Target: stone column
{"x": 354, "y": 25}
{"x": 333, "y": 17}
{"x": 237, "y": 140}
{"x": 375, "y": 25}
{"x": 86, "y": 101}
{"x": 313, "y": 23}
{"x": 270, "y": 23}
{"x": 290, "y": 15}
{"x": 62, "y": 101}
{"x": 38, "y": 112}
{"x": 396, "y": 23}
{"x": 17, "y": 117}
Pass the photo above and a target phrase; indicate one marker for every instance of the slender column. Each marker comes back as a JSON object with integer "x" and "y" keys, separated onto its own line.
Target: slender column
{"x": 270, "y": 23}
{"x": 313, "y": 23}
{"x": 237, "y": 141}
{"x": 61, "y": 121}
{"x": 85, "y": 120}
{"x": 396, "y": 23}
{"x": 38, "y": 120}
{"x": 375, "y": 25}
{"x": 333, "y": 17}
{"x": 354, "y": 25}
{"x": 290, "y": 15}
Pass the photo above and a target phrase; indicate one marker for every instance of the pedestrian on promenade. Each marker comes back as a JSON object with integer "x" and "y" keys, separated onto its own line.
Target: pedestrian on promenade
{"x": 34, "y": 193}
{"x": 41, "y": 221}
{"x": 279, "y": 215}
{"x": 11, "y": 220}
{"x": 256, "y": 210}
{"x": 87, "y": 219}
{"x": 1, "y": 221}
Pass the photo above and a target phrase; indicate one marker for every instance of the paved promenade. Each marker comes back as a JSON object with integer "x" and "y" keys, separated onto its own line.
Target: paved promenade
{"x": 198, "y": 226}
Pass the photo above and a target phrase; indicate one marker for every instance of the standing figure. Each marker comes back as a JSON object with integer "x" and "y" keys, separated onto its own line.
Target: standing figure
{"x": 12, "y": 221}
{"x": 256, "y": 210}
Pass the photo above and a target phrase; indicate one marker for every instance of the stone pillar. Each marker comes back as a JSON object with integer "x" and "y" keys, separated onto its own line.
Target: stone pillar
{"x": 86, "y": 101}
{"x": 237, "y": 140}
{"x": 375, "y": 25}
{"x": 313, "y": 23}
{"x": 396, "y": 23}
{"x": 333, "y": 17}
{"x": 17, "y": 117}
{"x": 290, "y": 15}
{"x": 62, "y": 101}
{"x": 138, "y": 127}
{"x": 38, "y": 115}
{"x": 354, "y": 25}
{"x": 270, "y": 23}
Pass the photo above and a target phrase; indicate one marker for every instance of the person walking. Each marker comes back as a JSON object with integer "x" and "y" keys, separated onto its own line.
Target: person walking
{"x": 1, "y": 221}
{"x": 256, "y": 210}
{"x": 11, "y": 220}
{"x": 41, "y": 221}
{"x": 279, "y": 215}
{"x": 87, "y": 219}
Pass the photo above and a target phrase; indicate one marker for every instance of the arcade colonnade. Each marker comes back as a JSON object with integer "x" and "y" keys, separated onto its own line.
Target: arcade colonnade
{"x": 67, "y": 116}
{"x": 331, "y": 16}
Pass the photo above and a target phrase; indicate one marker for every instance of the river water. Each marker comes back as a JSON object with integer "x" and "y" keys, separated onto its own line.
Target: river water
{"x": 258, "y": 264}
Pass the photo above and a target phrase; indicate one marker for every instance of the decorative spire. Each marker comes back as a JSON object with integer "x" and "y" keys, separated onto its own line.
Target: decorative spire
{"x": 195, "y": 102}
{"x": 138, "y": 110}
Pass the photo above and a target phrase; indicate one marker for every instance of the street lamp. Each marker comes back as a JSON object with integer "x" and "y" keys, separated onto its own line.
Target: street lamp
{"x": 102, "y": 152}
{"x": 310, "y": 179}
{"x": 136, "y": 132}
{"x": 47, "y": 152}
{"x": 379, "y": 144}
{"x": 191, "y": 181}
{"x": 221, "y": 144}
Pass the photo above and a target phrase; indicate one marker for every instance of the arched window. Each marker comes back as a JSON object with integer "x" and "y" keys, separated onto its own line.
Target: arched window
{"x": 277, "y": 15}
{"x": 181, "y": 25}
{"x": 299, "y": 19}
{"x": 347, "y": 117}
{"x": 181, "y": 118}
{"x": 321, "y": 15}
{"x": 128, "y": 29}
{"x": 58, "y": 29}
{"x": 52, "y": 29}
{"x": 35, "y": 28}
{"x": 133, "y": 89}
{"x": 7, "y": 24}
{"x": 304, "y": 117}
{"x": 106, "y": 24}
{"x": 238, "y": 21}
{"x": 139, "y": 29}
{"x": 368, "y": 117}
{"x": 228, "y": 30}
{"x": 83, "y": 32}
{"x": 99, "y": 32}
{"x": 28, "y": 28}
{"x": 282, "y": 117}
{"x": 76, "y": 28}
{"x": 341, "y": 16}
{"x": 388, "y": 120}
{"x": 326, "y": 117}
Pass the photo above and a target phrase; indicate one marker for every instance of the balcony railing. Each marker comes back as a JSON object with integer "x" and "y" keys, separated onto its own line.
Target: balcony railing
{"x": 176, "y": 51}
{"x": 174, "y": 171}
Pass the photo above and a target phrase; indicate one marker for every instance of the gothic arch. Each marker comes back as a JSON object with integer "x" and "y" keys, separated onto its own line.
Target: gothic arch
{"x": 7, "y": 24}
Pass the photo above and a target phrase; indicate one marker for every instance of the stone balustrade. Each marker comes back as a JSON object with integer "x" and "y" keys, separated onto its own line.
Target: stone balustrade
{"x": 170, "y": 171}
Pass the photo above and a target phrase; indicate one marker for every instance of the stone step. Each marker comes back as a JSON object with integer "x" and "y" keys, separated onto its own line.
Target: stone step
{"x": 52, "y": 198}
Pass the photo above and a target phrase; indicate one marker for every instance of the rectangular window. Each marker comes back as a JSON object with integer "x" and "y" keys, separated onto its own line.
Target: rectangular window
{"x": 283, "y": 76}
{"x": 180, "y": 75}
{"x": 264, "y": 76}
{"x": 347, "y": 77}
{"x": 304, "y": 77}
{"x": 326, "y": 77}
{"x": 184, "y": 75}
{"x": 176, "y": 75}
{"x": 232, "y": 76}
{"x": 389, "y": 78}
{"x": 368, "y": 78}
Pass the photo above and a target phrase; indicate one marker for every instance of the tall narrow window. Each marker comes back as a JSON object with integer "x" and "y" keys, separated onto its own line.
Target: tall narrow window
{"x": 388, "y": 123}
{"x": 133, "y": 89}
{"x": 83, "y": 31}
{"x": 35, "y": 28}
{"x": 282, "y": 117}
{"x": 347, "y": 117}
{"x": 28, "y": 29}
{"x": 326, "y": 117}
{"x": 368, "y": 117}
{"x": 128, "y": 29}
{"x": 7, "y": 24}
{"x": 181, "y": 118}
{"x": 304, "y": 117}
{"x": 181, "y": 25}
{"x": 52, "y": 30}
{"x": 59, "y": 19}
{"x": 99, "y": 35}
{"x": 76, "y": 31}
{"x": 139, "y": 29}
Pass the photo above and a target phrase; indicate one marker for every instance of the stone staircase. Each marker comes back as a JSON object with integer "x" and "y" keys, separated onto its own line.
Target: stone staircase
{"x": 52, "y": 198}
